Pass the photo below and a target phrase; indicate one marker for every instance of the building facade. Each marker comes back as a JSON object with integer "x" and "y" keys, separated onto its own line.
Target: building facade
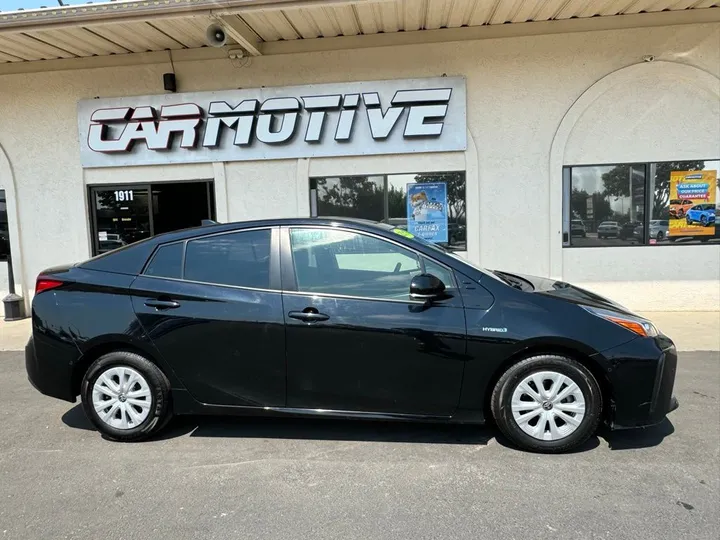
{"x": 563, "y": 154}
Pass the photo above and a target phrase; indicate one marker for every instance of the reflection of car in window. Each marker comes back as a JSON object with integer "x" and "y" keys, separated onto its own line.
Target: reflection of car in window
{"x": 608, "y": 229}
{"x": 679, "y": 207}
{"x": 659, "y": 228}
{"x": 109, "y": 245}
{"x": 629, "y": 229}
{"x": 704, "y": 214}
{"x": 577, "y": 228}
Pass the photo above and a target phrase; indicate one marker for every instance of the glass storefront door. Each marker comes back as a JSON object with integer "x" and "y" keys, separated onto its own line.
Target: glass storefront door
{"x": 124, "y": 214}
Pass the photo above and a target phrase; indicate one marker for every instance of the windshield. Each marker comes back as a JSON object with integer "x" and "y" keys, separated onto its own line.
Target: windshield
{"x": 436, "y": 247}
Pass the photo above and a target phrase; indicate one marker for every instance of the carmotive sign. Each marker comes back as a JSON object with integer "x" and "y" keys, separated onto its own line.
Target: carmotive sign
{"x": 359, "y": 118}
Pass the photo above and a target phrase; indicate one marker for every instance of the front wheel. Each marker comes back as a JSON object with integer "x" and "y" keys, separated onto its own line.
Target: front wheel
{"x": 126, "y": 397}
{"x": 547, "y": 403}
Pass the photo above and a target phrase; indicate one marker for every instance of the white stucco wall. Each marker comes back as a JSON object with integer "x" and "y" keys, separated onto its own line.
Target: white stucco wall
{"x": 521, "y": 97}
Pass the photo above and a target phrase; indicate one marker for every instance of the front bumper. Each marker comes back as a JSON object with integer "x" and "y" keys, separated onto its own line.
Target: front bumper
{"x": 642, "y": 377}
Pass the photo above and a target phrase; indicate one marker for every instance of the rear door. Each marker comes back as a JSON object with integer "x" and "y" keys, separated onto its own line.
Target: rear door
{"x": 355, "y": 339}
{"x": 212, "y": 307}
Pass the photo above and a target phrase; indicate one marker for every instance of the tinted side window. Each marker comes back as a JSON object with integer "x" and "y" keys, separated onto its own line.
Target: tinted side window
{"x": 241, "y": 259}
{"x": 439, "y": 271}
{"x": 167, "y": 262}
{"x": 351, "y": 264}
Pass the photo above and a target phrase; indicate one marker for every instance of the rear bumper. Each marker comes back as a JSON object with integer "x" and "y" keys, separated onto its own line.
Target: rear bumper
{"x": 52, "y": 378}
{"x": 642, "y": 380}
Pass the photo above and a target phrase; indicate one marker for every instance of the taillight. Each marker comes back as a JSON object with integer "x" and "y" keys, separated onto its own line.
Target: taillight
{"x": 45, "y": 283}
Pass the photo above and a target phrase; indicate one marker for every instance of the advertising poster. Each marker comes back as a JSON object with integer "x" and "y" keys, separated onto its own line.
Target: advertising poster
{"x": 427, "y": 211}
{"x": 692, "y": 203}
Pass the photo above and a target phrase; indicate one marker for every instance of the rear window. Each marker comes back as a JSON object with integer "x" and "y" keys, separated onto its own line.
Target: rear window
{"x": 240, "y": 259}
{"x": 167, "y": 262}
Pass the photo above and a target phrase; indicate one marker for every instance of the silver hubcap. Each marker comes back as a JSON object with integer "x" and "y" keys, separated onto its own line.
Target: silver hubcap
{"x": 121, "y": 397}
{"x": 548, "y": 405}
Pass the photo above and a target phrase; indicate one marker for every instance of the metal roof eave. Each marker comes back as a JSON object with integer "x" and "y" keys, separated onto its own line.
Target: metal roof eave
{"x": 130, "y": 10}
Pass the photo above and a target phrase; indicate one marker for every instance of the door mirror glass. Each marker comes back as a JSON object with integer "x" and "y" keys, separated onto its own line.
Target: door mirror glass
{"x": 426, "y": 287}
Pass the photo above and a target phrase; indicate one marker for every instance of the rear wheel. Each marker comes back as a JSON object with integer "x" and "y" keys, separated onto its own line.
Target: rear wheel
{"x": 547, "y": 404}
{"x": 126, "y": 397}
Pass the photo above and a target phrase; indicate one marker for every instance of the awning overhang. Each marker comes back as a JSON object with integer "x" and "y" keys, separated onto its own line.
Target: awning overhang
{"x": 143, "y": 31}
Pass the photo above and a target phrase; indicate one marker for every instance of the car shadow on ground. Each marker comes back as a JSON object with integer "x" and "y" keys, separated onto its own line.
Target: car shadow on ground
{"x": 630, "y": 439}
{"x": 365, "y": 430}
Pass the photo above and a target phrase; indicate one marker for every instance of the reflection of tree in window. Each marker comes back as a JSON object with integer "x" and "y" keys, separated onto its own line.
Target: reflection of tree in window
{"x": 600, "y": 205}
{"x": 351, "y": 196}
{"x": 661, "y": 196}
{"x": 616, "y": 183}
{"x": 455, "y": 182}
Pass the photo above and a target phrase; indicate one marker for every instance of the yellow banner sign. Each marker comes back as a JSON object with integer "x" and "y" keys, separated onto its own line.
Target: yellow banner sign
{"x": 692, "y": 203}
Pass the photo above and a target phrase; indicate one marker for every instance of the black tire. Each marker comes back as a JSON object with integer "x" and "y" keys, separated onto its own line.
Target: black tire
{"x": 703, "y": 220}
{"x": 688, "y": 220}
{"x": 160, "y": 405}
{"x": 660, "y": 236}
{"x": 515, "y": 374}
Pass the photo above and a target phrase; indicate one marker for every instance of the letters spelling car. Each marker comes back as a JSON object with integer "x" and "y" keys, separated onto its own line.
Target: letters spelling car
{"x": 342, "y": 318}
{"x": 701, "y": 213}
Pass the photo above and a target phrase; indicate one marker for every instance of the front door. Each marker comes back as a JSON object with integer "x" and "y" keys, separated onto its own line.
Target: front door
{"x": 355, "y": 340}
{"x": 211, "y": 311}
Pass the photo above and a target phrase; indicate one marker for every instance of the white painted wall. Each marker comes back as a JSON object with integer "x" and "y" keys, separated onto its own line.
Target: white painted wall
{"x": 520, "y": 90}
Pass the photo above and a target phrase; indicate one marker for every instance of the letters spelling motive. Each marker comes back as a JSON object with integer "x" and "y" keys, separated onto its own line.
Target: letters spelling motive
{"x": 275, "y": 121}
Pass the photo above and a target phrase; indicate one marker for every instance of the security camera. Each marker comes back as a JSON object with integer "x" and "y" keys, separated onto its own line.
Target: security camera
{"x": 215, "y": 35}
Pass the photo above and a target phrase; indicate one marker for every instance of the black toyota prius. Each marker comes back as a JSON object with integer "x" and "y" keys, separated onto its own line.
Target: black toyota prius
{"x": 343, "y": 318}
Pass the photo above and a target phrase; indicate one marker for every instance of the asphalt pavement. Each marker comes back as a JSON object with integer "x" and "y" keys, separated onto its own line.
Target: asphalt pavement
{"x": 234, "y": 478}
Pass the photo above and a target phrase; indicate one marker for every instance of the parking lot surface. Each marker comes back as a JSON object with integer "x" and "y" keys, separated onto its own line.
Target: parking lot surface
{"x": 233, "y": 478}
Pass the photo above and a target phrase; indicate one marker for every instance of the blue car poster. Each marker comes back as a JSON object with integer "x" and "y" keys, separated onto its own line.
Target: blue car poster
{"x": 427, "y": 211}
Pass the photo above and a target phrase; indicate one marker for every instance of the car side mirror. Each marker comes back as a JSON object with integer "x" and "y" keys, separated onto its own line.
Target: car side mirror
{"x": 426, "y": 287}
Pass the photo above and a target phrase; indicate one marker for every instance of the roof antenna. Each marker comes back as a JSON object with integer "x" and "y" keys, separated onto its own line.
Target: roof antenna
{"x": 61, "y": 3}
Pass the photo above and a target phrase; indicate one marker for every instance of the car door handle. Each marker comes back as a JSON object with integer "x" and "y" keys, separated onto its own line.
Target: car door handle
{"x": 162, "y": 304}
{"x": 308, "y": 316}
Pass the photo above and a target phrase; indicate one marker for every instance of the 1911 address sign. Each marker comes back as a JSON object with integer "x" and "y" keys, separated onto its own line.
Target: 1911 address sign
{"x": 360, "y": 118}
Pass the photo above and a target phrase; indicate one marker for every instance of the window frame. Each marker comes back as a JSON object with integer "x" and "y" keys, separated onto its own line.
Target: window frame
{"x": 313, "y": 191}
{"x": 94, "y": 188}
{"x": 289, "y": 277}
{"x": 649, "y": 167}
{"x": 275, "y": 282}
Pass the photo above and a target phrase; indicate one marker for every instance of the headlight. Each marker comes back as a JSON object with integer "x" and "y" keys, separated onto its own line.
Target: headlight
{"x": 641, "y": 327}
